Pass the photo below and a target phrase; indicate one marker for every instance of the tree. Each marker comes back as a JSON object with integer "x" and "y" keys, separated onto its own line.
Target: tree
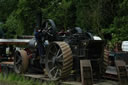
{"x": 118, "y": 28}
{"x": 88, "y": 15}
{"x": 13, "y": 26}
{"x": 23, "y": 19}
{"x": 62, "y": 12}
{"x": 6, "y": 7}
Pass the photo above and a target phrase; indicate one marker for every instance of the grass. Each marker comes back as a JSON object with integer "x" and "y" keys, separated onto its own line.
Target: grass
{"x": 14, "y": 79}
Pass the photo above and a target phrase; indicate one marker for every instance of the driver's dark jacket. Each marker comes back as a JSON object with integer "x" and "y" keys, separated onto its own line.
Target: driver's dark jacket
{"x": 38, "y": 36}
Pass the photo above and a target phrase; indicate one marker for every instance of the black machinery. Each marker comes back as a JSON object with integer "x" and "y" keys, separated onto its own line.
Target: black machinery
{"x": 59, "y": 54}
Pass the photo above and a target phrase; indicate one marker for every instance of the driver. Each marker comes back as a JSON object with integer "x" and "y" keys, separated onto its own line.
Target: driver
{"x": 45, "y": 32}
{"x": 40, "y": 35}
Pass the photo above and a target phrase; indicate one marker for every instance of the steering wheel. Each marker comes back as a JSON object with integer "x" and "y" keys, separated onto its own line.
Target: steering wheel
{"x": 50, "y": 27}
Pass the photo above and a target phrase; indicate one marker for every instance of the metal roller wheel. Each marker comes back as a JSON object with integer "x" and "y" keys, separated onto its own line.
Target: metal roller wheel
{"x": 21, "y": 61}
{"x": 59, "y": 60}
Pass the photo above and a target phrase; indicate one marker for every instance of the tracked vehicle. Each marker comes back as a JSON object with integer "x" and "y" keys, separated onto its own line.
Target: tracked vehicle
{"x": 58, "y": 54}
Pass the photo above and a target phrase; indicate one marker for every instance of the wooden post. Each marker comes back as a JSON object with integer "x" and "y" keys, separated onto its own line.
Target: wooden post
{"x": 122, "y": 72}
{"x": 86, "y": 72}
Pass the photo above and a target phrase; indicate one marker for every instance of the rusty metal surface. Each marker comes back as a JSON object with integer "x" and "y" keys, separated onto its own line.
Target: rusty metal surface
{"x": 26, "y": 37}
{"x": 62, "y": 53}
{"x": 122, "y": 72}
{"x": 105, "y": 60}
{"x": 120, "y": 63}
{"x": 7, "y": 63}
{"x": 14, "y": 41}
{"x": 6, "y": 67}
{"x": 22, "y": 66}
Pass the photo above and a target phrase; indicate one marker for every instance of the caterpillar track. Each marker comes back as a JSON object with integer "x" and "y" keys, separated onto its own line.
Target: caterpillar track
{"x": 59, "y": 60}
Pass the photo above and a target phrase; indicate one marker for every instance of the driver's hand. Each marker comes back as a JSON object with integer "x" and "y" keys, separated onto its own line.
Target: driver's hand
{"x": 44, "y": 32}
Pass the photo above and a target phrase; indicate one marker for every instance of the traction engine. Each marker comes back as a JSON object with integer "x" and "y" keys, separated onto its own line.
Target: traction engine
{"x": 59, "y": 54}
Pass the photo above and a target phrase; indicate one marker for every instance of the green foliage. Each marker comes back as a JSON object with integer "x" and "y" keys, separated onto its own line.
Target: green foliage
{"x": 120, "y": 23}
{"x": 88, "y": 15}
{"x": 14, "y": 79}
{"x": 118, "y": 29}
{"x": 13, "y": 26}
{"x": 6, "y": 7}
{"x": 26, "y": 14}
{"x": 62, "y": 12}
{"x": 97, "y": 16}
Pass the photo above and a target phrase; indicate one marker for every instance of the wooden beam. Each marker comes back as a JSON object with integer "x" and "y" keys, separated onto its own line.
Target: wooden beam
{"x": 86, "y": 72}
{"x": 122, "y": 72}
